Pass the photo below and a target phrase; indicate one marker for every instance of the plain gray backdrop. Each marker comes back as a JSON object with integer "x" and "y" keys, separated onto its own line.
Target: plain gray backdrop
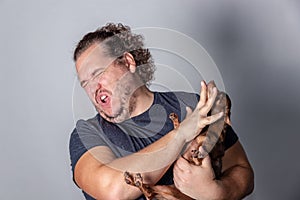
{"x": 255, "y": 45}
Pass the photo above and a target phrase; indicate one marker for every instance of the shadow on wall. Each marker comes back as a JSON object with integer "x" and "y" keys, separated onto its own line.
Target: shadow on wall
{"x": 256, "y": 50}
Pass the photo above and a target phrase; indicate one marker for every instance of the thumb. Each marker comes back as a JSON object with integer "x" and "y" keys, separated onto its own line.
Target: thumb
{"x": 206, "y": 162}
{"x": 188, "y": 111}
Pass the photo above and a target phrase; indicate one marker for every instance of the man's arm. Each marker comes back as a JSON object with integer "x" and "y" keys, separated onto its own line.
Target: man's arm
{"x": 99, "y": 173}
{"x": 103, "y": 178}
{"x": 198, "y": 181}
{"x": 238, "y": 179}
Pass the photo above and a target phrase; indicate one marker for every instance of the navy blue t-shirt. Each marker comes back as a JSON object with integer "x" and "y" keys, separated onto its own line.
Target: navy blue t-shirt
{"x": 136, "y": 133}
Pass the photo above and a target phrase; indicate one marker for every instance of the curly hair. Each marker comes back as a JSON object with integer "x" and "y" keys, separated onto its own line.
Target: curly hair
{"x": 117, "y": 40}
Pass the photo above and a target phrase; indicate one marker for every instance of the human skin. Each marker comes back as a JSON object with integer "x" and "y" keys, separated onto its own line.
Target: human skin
{"x": 98, "y": 172}
{"x": 198, "y": 182}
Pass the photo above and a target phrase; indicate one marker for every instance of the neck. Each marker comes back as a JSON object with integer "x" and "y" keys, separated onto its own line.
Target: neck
{"x": 141, "y": 101}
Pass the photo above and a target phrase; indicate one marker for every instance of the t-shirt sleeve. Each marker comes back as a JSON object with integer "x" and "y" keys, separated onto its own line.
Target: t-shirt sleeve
{"x": 84, "y": 137}
{"x": 231, "y": 137}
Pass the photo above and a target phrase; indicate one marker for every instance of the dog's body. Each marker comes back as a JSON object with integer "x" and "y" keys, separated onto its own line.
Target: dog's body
{"x": 211, "y": 139}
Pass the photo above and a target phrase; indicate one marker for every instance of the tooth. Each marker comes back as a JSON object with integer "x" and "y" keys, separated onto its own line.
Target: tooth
{"x": 103, "y": 98}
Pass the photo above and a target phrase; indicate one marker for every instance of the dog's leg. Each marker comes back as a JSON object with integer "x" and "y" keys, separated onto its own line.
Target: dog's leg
{"x": 137, "y": 181}
{"x": 129, "y": 178}
{"x": 175, "y": 120}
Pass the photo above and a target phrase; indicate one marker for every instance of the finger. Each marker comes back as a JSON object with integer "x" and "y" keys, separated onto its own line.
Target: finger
{"x": 210, "y": 86}
{"x": 209, "y": 90}
{"x": 211, "y": 119}
{"x": 177, "y": 180}
{"x": 183, "y": 164}
{"x": 177, "y": 173}
{"x": 206, "y": 163}
{"x": 210, "y": 102}
{"x": 203, "y": 95}
{"x": 177, "y": 169}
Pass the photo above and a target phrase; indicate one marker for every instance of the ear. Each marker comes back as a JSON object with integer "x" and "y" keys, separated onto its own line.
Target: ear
{"x": 130, "y": 62}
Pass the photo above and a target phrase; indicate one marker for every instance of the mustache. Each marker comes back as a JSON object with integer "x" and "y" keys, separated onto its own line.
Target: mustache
{"x": 100, "y": 90}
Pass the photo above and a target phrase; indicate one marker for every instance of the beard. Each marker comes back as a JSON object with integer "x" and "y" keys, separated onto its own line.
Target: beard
{"x": 123, "y": 99}
{"x": 123, "y": 103}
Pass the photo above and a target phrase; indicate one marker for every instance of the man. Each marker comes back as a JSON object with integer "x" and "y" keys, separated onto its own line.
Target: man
{"x": 132, "y": 131}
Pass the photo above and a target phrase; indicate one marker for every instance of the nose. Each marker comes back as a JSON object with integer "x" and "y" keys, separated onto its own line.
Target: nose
{"x": 94, "y": 86}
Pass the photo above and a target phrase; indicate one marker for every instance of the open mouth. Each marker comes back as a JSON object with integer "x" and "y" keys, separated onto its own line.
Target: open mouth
{"x": 102, "y": 97}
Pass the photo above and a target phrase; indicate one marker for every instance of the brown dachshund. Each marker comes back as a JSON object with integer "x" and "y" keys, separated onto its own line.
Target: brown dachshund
{"x": 211, "y": 139}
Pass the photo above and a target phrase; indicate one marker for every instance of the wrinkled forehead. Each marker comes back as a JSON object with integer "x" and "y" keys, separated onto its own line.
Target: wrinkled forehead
{"x": 93, "y": 57}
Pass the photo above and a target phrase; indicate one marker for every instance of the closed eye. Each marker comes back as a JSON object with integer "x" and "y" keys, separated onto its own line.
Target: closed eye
{"x": 83, "y": 83}
{"x": 94, "y": 75}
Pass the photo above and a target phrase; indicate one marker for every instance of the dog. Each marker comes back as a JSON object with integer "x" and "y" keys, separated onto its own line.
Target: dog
{"x": 210, "y": 140}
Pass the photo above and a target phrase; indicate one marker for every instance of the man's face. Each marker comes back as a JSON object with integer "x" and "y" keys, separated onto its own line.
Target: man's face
{"x": 108, "y": 84}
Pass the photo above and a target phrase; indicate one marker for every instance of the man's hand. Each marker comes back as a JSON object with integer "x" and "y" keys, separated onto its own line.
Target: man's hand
{"x": 195, "y": 181}
{"x": 195, "y": 121}
{"x": 198, "y": 182}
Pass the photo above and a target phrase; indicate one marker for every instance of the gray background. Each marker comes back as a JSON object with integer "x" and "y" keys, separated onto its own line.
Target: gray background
{"x": 254, "y": 43}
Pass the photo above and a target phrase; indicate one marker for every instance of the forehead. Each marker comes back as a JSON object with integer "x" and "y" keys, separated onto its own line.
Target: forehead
{"x": 93, "y": 57}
